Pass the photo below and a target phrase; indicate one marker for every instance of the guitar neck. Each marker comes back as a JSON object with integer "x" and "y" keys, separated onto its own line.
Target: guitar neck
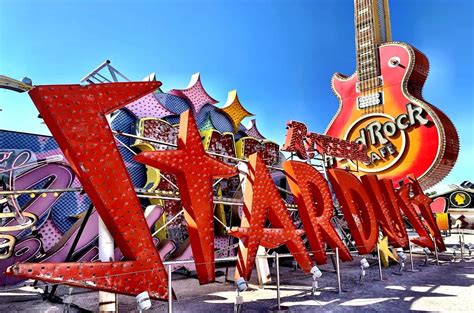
{"x": 372, "y": 27}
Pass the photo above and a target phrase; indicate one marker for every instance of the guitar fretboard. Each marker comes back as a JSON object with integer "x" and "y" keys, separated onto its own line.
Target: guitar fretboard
{"x": 372, "y": 28}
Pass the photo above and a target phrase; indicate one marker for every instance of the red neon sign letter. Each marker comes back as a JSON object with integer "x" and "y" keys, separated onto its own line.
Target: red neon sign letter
{"x": 76, "y": 116}
{"x": 357, "y": 208}
{"x": 386, "y": 209}
{"x": 262, "y": 201}
{"x": 315, "y": 207}
{"x": 194, "y": 170}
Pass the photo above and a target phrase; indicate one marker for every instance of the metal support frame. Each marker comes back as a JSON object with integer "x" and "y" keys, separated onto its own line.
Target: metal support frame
{"x": 169, "y": 265}
{"x": 338, "y": 272}
{"x": 95, "y": 74}
{"x": 51, "y": 295}
{"x": 411, "y": 256}
{"x": 379, "y": 262}
{"x": 436, "y": 251}
{"x": 277, "y": 261}
{"x": 278, "y": 307}
{"x": 412, "y": 268}
{"x": 170, "y": 288}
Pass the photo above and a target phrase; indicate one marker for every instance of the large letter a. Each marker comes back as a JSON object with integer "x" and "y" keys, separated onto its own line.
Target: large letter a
{"x": 262, "y": 201}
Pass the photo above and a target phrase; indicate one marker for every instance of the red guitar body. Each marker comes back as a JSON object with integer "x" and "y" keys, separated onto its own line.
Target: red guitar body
{"x": 405, "y": 135}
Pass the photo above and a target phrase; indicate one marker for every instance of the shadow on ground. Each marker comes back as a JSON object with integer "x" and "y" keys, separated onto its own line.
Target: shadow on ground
{"x": 447, "y": 287}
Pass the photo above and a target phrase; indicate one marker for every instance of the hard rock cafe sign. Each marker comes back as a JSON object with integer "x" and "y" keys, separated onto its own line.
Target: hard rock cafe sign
{"x": 385, "y": 137}
{"x": 381, "y": 106}
{"x": 391, "y": 146}
{"x": 378, "y": 141}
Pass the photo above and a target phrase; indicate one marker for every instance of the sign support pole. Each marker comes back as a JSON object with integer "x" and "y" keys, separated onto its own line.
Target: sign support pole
{"x": 412, "y": 268}
{"x": 107, "y": 300}
{"x": 436, "y": 251}
{"x": 277, "y": 260}
{"x": 338, "y": 272}
{"x": 278, "y": 308}
{"x": 380, "y": 263}
{"x": 170, "y": 289}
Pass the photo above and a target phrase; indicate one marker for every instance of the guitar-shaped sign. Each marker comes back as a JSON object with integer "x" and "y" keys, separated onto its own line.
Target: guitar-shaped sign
{"x": 381, "y": 106}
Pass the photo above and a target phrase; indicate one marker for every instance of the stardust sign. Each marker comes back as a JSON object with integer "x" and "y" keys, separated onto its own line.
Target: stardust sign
{"x": 76, "y": 116}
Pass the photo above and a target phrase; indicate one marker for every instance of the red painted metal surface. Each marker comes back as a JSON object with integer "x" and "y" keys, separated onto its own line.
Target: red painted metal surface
{"x": 409, "y": 195}
{"x": 357, "y": 208}
{"x": 294, "y": 140}
{"x": 195, "y": 171}
{"x": 305, "y": 144}
{"x": 315, "y": 207}
{"x": 424, "y": 205}
{"x": 76, "y": 116}
{"x": 261, "y": 202}
{"x": 403, "y": 198}
{"x": 386, "y": 209}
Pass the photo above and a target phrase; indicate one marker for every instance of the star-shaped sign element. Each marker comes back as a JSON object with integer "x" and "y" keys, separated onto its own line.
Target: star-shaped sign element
{"x": 253, "y": 131}
{"x": 207, "y": 123}
{"x": 195, "y": 171}
{"x": 148, "y": 106}
{"x": 195, "y": 93}
{"x": 385, "y": 252}
{"x": 263, "y": 203}
{"x": 234, "y": 110}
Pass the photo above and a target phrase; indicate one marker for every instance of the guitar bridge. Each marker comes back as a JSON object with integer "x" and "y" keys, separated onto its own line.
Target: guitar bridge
{"x": 370, "y": 100}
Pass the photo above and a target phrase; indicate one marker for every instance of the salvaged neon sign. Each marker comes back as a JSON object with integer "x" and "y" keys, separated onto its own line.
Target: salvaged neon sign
{"x": 305, "y": 144}
{"x": 367, "y": 204}
{"x": 374, "y": 134}
{"x": 378, "y": 132}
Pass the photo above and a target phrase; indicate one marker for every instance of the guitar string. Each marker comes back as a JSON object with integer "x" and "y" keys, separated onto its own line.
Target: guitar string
{"x": 359, "y": 50}
{"x": 374, "y": 79}
{"x": 378, "y": 107}
{"x": 364, "y": 39}
{"x": 371, "y": 40}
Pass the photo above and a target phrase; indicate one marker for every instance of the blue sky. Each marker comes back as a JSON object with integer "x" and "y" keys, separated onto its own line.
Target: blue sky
{"x": 279, "y": 55}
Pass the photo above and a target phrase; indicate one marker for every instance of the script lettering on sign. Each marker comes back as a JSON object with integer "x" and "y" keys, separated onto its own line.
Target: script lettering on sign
{"x": 305, "y": 144}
